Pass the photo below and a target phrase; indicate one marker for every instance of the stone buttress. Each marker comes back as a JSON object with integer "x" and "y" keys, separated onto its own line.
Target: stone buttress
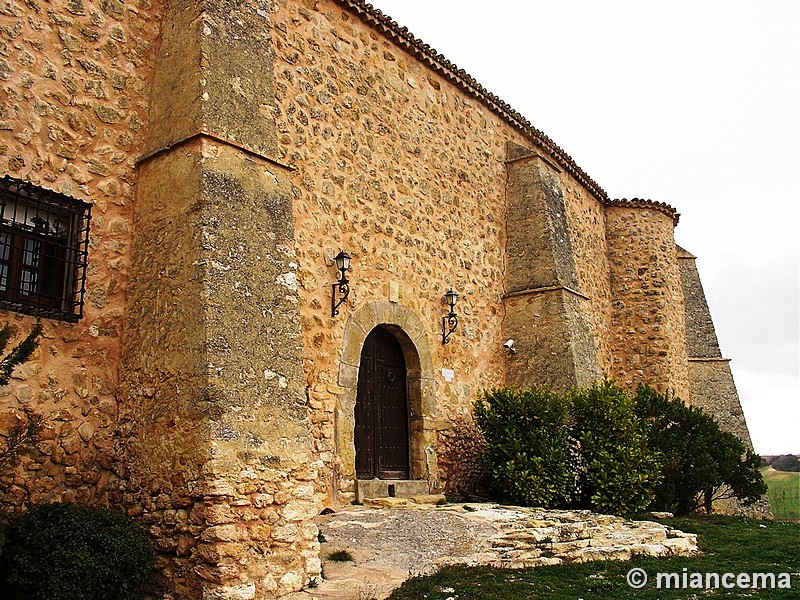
{"x": 215, "y": 433}
{"x": 710, "y": 378}
{"x": 648, "y": 329}
{"x": 546, "y": 314}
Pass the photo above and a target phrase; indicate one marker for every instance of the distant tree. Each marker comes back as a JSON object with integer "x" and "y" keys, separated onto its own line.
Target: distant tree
{"x": 700, "y": 463}
{"x": 786, "y": 462}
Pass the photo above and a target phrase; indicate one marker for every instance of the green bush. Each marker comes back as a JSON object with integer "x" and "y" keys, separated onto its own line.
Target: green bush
{"x": 700, "y": 462}
{"x": 66, "y": 551}
{"x": 622, "y": 472}
{"x": 603, "y": 449}
{"x": 527, "y": 457}
{"x": 19, "y": 353}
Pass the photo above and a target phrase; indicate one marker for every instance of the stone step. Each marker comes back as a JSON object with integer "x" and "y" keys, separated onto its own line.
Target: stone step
{"x": 414, "y": 501}
{"x": 391, "y": 488}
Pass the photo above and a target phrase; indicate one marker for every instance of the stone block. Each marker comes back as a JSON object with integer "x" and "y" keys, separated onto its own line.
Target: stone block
{"x": 244, "y": 591}
{"x": 300, "y": 510}
{"x": 394, "y": 488}
{"x": 680, "y": 545}
{"x": 384, "y": 312}
{"x": 435, "y": 499}
{"x": 387, "y": 502}
{"x": 650, "y": 550}
{"x": 348, "y": 375}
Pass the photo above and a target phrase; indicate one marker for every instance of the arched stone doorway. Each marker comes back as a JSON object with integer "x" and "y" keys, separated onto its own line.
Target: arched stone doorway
{"x": 381, "y": 434}
{"x": 410, "y": 334}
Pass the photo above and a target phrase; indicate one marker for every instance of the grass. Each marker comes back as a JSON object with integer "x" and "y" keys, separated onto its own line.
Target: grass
{"x": 729, "y": 544}
{"x": 784, "y": 493}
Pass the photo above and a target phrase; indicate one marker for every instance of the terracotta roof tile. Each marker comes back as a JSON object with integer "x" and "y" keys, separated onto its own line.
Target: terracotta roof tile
{"x": 639, "y": 203}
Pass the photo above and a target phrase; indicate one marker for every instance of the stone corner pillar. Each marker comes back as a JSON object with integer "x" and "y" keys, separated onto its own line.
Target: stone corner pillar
{"x": 217, "y": 443}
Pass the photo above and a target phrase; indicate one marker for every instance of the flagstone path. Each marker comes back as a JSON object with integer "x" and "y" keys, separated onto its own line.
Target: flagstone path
{"x": 392, "y": 539}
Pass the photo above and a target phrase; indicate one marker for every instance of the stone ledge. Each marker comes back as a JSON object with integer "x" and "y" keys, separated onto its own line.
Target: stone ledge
{"x": 425, "y": 501}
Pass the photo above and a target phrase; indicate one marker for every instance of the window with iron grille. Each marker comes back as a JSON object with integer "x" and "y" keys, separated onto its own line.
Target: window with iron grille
{"x": 44, "y": 237}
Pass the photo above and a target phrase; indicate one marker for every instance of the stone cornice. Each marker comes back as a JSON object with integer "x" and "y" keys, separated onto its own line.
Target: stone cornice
{"x": 143, "y": 158}
{"x": 638, "y": 203}
{"x": 543, "y": 290}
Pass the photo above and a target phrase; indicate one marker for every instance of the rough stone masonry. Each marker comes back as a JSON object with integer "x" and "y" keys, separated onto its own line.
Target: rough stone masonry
{"x": 228, "y": 151}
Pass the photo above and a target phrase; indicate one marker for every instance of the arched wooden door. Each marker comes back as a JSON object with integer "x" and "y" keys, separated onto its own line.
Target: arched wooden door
{"x": 381, "y": 432}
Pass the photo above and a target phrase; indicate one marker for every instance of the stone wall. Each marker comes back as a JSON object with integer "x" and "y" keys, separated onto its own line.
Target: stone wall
{"x": 404, "y": 172}
{"x": 74, "y": 87}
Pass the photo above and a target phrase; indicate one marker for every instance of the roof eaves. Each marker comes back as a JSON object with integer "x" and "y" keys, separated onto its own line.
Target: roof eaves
{"x": 640, "y": 203}
{"x": 463, "y": 80}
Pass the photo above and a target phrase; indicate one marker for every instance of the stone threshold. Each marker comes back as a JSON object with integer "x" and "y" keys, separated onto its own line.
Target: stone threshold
{"x": 390, "y": 488}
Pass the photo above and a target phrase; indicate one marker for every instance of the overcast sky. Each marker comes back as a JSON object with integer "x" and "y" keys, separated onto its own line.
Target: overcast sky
{"x": 693, "y": 103}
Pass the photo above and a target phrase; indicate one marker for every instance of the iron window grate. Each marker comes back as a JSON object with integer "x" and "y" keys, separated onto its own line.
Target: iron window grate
{"x": 44, "y": 241}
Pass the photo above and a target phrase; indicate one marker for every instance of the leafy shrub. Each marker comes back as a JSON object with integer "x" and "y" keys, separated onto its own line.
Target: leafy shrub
{"x": 700, "y": 463}
{"x": 622, "y": 472}
{"x": 70, "y": 551}
{"x": 19, "y": 353}
{"x": 600, "y": 448}
{"x": 527, "y": 456}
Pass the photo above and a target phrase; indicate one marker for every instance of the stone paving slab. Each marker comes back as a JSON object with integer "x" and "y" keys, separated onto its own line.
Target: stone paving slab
{"x": 388, "y": 545}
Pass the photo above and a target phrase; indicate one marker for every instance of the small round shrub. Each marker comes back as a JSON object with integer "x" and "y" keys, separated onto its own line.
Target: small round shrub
{"x": 67, "y": 551}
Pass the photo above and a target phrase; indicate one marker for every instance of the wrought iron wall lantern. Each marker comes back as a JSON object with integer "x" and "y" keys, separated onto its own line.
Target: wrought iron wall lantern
{"x": 449, "y": 321}
{"x": 342, "y": 287}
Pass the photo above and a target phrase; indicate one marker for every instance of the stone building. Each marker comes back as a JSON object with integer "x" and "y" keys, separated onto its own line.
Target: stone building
{"x": 178, "y": 178}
